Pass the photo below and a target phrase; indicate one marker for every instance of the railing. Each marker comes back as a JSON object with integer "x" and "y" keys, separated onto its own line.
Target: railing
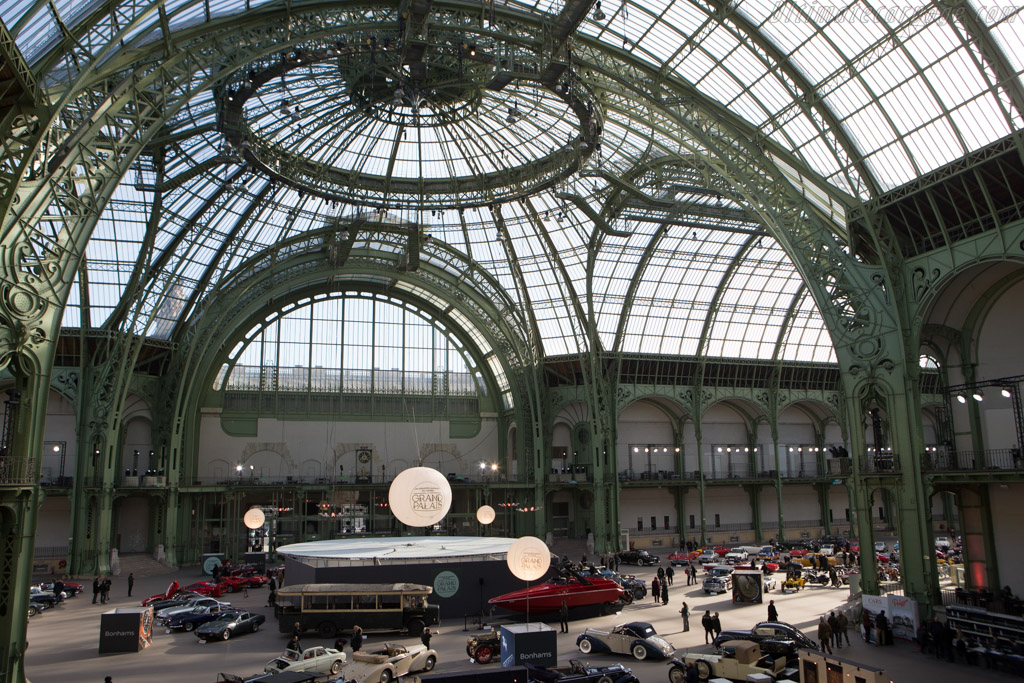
{"x": 654, "y": 532}
{"x": 984, "y": 599}
{"x": 571, "y": 474}
{"x": 50, "y": 551}
{"x": 17, "y": 471}
{"x": 659, "y": 475}
{"x": 882, "y": 464}
{"x": 966, "y": 461}
{"x": 346, "y": 480}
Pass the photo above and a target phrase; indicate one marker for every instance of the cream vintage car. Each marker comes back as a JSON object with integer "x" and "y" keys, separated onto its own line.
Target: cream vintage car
{"x": 739, "y": 659}
{"x": 323, "y": 660}
{"x": 388, "y": 663}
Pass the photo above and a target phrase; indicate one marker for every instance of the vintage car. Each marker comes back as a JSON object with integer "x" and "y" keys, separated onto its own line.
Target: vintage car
{"x": 766, "y": 631}
{"x": 214, "y": 590}
{"x": 637, "y": 638}
{"x": 230, "y": 624}
{"x": 484, "y": 647}
{"x": 578, "y": 672}
{"x": 707, "y": 557}
{"x": 322, "y": 660}
{"x": 638, "y": 557}
{"x": 42, "y": 599}
{"x": 737, "y": 556}
{"x": 681, "y": 558}
{"x": 739, "y": 659}
{"x": 719, "y": 579}
{"x": 634, "y": 588}
{"x": 189, "y": 621}
{"x": 390, "y": 662}
{"x": 169, "y": 594}
{"x": 192, "y": 604}
{"x": 71, "y": 589}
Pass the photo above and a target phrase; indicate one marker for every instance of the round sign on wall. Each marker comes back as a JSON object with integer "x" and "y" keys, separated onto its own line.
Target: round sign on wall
{"x": 485, "y": 514}
{"x": 446, "y": 584}
{"x": 254, "y": 518}
{"x": 420, "y": 496}
{"x": 529, "y": 558}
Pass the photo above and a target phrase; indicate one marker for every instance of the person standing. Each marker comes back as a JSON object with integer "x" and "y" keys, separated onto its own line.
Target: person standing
{"x": 105, "y": 590}
{"x": 295, "y": 644}
{"x": 707, "y": 621}
{"x": 773, "y": 612}
{"x": 844, "y": 626}
{"x": 716, "y": 624}
{"x": 664, "y": 592}
{"x": 685, "y": 612}
{"x": 661, "y": 574}
{"x": 271, "y": 597}
{"x": 689, "y": 579}
{"x": 95, "y": 589}
{"x": 882, "y": 629}
{"x": 563, "y": 617}
{"x": 656, "y": 588}
{"x": 824, "y": 636}
{"x": 693, "y": 571}
{"x": 833, "y": 625}
{"x": 357, "y": 638}
{"x": 670, "y": 574}
{"x": 131, "y": 583}
{"x": 58, "y": 589}
{"x": 425, "y": 637}
{"x": 865, "y": 623}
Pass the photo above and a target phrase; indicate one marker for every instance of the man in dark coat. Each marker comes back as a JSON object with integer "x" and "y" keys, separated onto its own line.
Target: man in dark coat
{"x": 716, "y": 624}
{"x": 425, "y": 637}
{"x": 131, "y": 583}
{"x": 707, "y": 621}
{"x": 95, "y": 589}
{"x": 563, "y": 617}
{"x": 669, "y": 574}
{"x": 833, "y": 624}
{"x": 664, "y": 592}
{"x": 773, "y": 612}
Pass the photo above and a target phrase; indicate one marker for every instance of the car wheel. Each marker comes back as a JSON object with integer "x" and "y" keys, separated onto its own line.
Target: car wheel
{"x": 639, "y": 563}
{"x": 586, "y": 646}
{"x": 627, "y": 597}
{"x": 415, "y": 627}
{"x": 336, "y": 667}
{"x": 429, "y": 664}
{"x": 704, "y": 669}
{"x": 638, "y": 593}
{"x": 226, "y": 635}
{"x": 604, "y": 679}
{"x": 676, "y": 675}
{"x": 189, "y": 626}
{"x": 639, "y": 651}
{"x": 386, "y": 676}
{"x": 483, "y": 655}
{"x": 255, "y": 627}
{"x": 33, "y": 610}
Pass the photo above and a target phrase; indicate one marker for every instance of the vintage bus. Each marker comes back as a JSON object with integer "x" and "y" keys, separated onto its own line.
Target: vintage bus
{"x": 330, "y": 608}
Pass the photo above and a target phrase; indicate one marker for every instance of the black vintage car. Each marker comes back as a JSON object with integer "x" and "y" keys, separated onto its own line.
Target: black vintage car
{"x": 638, "y": 557}
{"x": 578, "y": 672}
{"x": 776, "y": 638}
{"x": 484, "y": 647}
{"x": 230, "y": 624}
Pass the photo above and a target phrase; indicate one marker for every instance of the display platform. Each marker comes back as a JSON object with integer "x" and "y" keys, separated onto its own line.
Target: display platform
{"x": 534, "y": 644}
{"x": 464, "y": 571}
{"x": 126, "y": 629}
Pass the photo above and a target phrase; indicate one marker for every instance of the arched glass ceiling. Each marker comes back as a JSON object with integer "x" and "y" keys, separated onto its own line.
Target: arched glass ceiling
{"x": 865, "y": 99}
{"x": 866, "y": 94}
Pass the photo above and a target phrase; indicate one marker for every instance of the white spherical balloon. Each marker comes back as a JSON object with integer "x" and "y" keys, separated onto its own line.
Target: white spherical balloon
{"x": 529, "y": 558}
{"x": 485, "y": 514}
{"x": 254, "y": 518}
{"x": 420, "y": 496}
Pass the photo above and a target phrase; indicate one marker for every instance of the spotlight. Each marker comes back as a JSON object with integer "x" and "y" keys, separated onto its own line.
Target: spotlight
{"x": 472, "y": 50}
{"x": 1006, "y": 393}
{"x": 978, "y": 395}
{"x": 598, "y": 14}
{"x": 285, "y": 109}
{"x": 961, "y": 398}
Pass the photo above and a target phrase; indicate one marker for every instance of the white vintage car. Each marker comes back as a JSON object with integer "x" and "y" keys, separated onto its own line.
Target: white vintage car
{"x": 322, "y": 660}
{"x": 386, "y": 664}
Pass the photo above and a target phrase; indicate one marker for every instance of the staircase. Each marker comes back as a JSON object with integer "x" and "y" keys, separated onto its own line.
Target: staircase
{"x": 142, "y": 564}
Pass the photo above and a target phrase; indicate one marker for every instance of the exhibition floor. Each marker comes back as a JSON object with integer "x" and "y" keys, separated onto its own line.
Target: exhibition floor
{"x": 63, "y": 642}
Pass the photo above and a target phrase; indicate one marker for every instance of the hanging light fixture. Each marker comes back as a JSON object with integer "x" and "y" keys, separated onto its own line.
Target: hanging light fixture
{"x": 961, "y": 398}
{"x": 978, "y": 395}
{"x": 598, "y": 14}
{"x": 1006, "y": 392}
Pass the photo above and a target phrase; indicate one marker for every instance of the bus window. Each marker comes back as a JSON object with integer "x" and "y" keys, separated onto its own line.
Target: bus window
{"x": 389, "y": 601}
{"x": 315, "y": 602}
{"x": 366, "y": 601}
{"x": 415, "y": 602}
{"x": 342, "y": 601}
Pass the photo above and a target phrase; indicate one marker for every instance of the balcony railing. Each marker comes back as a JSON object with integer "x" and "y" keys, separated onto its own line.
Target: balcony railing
{"x": 966, "y": 461}
{"x": 17, "y": 471}
{"x": 569, "y": 474}
{"x": 887, "y": 463}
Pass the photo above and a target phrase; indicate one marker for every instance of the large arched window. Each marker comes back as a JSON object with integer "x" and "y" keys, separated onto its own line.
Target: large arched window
{"x": 355, "y": 343}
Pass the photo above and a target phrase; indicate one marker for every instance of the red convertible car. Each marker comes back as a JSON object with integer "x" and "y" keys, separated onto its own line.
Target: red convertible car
{"x": 167, "y": 595}
{"x": 577, "y": 590}
{"x": 681, "y": 558}
{"x": 214, "y": 590}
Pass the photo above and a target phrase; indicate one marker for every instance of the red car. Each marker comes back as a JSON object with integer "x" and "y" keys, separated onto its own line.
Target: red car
{"x": 251, "y": 575}
{"x": 214, "y": 590}
{"x": 234, "y": 583}
{"x": 798, "y": 552}
{"x": 720, "y": 551}
{"x": 171, "y": 591}
{"x": 681, "y": 558}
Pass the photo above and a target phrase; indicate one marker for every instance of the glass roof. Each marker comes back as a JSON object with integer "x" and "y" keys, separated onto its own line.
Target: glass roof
{"x": 855, "y": 98}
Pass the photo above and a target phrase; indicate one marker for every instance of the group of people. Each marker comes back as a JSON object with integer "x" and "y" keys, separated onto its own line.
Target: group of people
{"x": 100, "y": 589}
{"x": 880, "y": 625}
{"x": 660, "y": 584}
{"x": 712, "y": 626}
{"x": 832, "y": 629}
{"x": 691, "y": 575}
